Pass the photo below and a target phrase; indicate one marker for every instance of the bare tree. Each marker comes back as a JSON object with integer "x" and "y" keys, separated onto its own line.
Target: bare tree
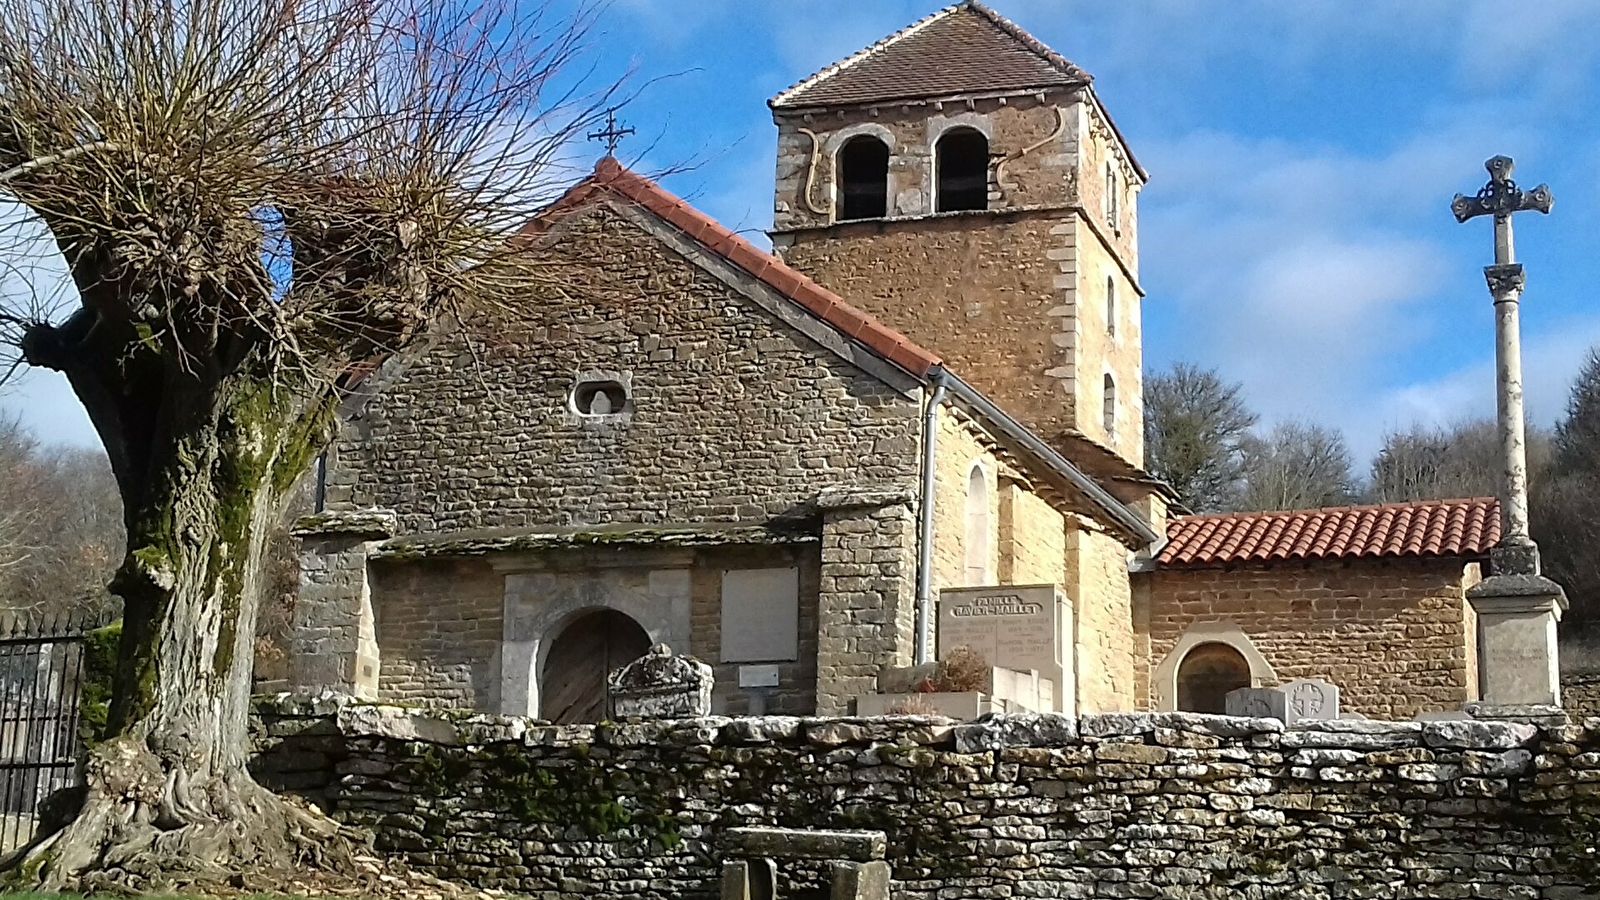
{"x": 257, "y": 200}
{"x": 1195, "y": 425}
{"x": 60, "y": 525}
{"x": 1462, "y": 460}
{"x": 1298, "y": 465}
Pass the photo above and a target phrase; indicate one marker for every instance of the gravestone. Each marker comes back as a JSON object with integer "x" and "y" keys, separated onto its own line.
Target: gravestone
{"x": 1311, "y": 698}
{"x": 1018, "y": 627}
{"x": 1257, "y": 703}
{"x": 661, "y": 685}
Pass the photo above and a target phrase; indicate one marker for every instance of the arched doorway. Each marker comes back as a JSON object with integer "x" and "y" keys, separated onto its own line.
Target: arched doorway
{"x": 573, "y": 686}
{"x": 1207, "y": 674}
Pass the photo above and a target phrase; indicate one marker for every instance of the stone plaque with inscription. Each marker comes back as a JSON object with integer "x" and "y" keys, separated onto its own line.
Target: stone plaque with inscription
{"x": 1015, "y": 627}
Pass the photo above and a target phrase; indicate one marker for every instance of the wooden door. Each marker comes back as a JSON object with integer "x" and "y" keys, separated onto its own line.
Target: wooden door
{"x": 574, "y": 685}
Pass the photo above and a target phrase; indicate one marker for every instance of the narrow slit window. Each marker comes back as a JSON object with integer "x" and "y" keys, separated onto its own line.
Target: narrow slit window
{"x": 863, "y": 179}
{"x": 962, "y": 164}
{"x": 976, "y": 540}
{"x": 1111, "y": 195}
{"x": 1111, "y": 405}
{"x": 1111, "y": 305}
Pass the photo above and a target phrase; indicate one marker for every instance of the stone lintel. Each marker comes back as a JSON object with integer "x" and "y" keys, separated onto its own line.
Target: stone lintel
{"x": 485, "y": 542}
{"x": 1530, "y": 713}
{"x": 369, "y": 523}
{"x": 837, "y": 498}
{"x": 798, "y": 843}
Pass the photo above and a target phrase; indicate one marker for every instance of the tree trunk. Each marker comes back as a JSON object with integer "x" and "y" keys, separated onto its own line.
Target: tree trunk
{"x": 169, "y": 800}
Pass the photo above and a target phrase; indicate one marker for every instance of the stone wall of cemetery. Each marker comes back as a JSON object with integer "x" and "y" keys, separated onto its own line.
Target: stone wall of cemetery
{"x": 1109, "y": 805}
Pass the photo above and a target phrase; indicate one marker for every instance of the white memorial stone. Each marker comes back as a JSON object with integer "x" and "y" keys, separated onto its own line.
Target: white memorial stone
{"x": 1015, "y": 627}
{"x": 760, "y": 615}
{"x": 1311, "y": 698}
{"x": 1257, "y": 703}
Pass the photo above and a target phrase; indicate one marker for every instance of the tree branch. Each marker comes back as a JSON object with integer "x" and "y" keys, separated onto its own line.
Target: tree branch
{"x": 54, "y": 158}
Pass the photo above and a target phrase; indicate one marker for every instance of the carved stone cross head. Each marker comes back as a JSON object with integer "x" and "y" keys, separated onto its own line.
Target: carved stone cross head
{"x": 1501, "y": 196}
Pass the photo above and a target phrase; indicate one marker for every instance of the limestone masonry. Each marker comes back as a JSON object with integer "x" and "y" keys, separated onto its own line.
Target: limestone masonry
{"x": 1105, "y": 806}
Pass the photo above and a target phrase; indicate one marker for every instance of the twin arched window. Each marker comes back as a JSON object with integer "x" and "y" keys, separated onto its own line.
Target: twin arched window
{"x": 961, "y": 174}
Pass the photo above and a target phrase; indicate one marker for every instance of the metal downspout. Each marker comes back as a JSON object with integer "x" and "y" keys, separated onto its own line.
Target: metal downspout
{"x": 930, "y": 431}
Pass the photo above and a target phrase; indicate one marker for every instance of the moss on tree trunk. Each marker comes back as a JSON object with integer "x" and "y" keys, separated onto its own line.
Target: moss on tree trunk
{"x": 169, "y": 800}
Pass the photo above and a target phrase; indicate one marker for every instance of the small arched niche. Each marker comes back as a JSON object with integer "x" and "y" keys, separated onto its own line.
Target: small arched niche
{"x": 863, "y": 178}
{"x": 961, "y": 164}
{"x": 1207, "y": 674}
{"x": 1201, "y": 657}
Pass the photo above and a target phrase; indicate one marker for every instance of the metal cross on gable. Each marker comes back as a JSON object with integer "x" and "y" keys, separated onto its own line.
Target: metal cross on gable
{"x": 1501, "y": 198}
{"x": 611, "y": 134}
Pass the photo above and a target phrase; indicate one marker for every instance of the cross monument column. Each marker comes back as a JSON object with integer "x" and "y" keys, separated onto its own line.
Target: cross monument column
{"x": 1517, "y": 608}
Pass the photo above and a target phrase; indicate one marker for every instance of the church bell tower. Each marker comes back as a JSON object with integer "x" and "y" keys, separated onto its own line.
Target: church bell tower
{"x": 961, "y": 181}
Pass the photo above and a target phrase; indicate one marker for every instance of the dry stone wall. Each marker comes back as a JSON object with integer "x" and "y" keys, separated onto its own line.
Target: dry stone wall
{"x": 1113, "y": 805}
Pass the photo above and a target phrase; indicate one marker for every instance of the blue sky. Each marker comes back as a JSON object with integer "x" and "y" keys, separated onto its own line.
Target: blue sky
{"x": 1296, "y": 231}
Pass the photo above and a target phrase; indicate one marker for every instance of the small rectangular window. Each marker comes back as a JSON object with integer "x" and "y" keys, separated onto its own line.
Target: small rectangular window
{"x": 1111, "y": 305}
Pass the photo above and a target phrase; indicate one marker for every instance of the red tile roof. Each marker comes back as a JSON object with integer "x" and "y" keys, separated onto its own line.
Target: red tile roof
{"x": 611, "y": 177}
{"x": 1420, "y": 528}
{"x": 966, "y": 48}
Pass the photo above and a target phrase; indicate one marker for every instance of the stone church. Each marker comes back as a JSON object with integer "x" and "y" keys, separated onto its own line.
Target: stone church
{"x": 788, "y": 464}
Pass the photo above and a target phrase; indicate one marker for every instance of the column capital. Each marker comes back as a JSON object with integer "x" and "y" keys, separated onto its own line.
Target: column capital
{"x": 1505, "y": 282}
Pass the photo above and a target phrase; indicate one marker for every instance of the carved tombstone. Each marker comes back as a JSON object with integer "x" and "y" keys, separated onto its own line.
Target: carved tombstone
{"x": 1257, "y": 703}
{"x": 1311, "y": 698}
{"x": 661, "y": 685}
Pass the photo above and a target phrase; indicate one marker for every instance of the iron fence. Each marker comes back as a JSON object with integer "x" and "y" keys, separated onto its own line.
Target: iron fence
{"x": 41, "y": 681}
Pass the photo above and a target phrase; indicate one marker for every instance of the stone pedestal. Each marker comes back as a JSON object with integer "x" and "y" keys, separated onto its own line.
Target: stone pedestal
{"x": 1517, "y": 660}
{"x": 333, "y": 641}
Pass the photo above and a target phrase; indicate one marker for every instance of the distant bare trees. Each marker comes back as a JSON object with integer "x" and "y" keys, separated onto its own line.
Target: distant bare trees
{"x": 1297, "y": 465}
{"x": 1565, "y": 502}
{"x": 60, "y": 524}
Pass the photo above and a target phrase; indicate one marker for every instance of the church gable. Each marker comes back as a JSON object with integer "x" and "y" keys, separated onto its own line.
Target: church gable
{"x": 657, "y": 391}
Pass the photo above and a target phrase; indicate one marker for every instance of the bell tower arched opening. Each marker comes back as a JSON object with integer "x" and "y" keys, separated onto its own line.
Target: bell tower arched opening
{"x": 863, "y": 166}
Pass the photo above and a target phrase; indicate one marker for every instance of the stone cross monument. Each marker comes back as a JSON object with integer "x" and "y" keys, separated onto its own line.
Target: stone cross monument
{"x": 1517, "y": 607}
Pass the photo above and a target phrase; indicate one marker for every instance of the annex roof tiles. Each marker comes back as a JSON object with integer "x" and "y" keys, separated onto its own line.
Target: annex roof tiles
{"x": 1466, "y": 528}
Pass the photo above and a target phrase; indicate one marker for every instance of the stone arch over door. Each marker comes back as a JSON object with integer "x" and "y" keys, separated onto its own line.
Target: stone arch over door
{"x": 577, "y": 660}
{"x": 540, "y": 604}
{"x": 1164, "y": 681}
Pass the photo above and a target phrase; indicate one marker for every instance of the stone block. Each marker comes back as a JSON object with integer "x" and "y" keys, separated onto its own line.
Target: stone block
{"x": 1258, "y": 703}
{"x": 860, "y": 881}
{"x": 795, "y": 843}
{"x": 749, "y": 879}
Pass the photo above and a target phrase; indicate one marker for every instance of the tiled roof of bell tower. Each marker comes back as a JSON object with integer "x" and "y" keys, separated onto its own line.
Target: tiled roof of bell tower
{"x": 963, "y": 49}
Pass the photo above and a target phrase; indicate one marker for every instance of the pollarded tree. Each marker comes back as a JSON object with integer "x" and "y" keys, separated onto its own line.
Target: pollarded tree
{"x": 165, "y": 145}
